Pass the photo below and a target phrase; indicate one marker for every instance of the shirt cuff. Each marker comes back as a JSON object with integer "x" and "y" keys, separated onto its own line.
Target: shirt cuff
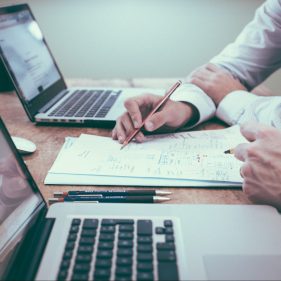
{"x": 194, "y": 95}
{"x": 233, "y": 106}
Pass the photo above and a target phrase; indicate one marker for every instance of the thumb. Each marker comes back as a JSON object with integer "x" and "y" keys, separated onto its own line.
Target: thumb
{"x": 156, "y": 121}
{"x": 249, "y": 130}
{"x": 240, "y": 151}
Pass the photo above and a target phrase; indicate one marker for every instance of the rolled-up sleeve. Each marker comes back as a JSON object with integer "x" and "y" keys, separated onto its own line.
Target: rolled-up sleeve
{"x": 240, "y": 107}
{"x": 192, "y": 94}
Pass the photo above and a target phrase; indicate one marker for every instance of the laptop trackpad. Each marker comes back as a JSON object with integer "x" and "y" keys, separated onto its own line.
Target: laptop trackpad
{"x": 227, "y": 267}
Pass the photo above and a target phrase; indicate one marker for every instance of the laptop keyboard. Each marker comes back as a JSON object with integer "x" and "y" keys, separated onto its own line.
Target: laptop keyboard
{"x": 83, "y": 103}
{"x": 120, "y": 249}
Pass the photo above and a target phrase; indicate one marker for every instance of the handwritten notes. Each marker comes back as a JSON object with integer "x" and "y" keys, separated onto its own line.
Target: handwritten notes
{"x": 197, "y": 155}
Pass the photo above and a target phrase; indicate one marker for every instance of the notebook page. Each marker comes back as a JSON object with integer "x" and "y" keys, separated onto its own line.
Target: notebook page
{"x": 186, "y": 155}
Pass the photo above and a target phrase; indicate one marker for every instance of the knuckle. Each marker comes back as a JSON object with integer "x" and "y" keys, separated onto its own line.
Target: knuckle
{"x": 128, "y": 102}
{"x": 252, "y": 151}
{"x": 263, "y": 133}
{"x": 246, "y": 170}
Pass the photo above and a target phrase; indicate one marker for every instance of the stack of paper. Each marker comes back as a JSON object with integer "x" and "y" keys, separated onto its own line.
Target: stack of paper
{"x": 180, "y": 159}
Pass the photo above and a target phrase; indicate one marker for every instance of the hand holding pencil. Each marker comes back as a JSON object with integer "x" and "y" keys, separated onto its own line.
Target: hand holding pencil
{"x": 168, "y": 117}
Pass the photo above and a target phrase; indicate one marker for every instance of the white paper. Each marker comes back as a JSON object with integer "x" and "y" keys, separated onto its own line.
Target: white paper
{"x": 179, "y": 157}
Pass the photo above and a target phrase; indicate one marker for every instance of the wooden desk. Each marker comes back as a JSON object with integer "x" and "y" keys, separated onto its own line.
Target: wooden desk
{"x": 49, "y": 140}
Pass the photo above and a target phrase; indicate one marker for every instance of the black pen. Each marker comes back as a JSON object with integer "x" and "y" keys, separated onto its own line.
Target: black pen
{"x": 111, "y": 199}
{"x": 137, "y": 192}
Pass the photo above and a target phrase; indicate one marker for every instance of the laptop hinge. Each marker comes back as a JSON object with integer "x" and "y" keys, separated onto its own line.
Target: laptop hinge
{"x": 53, "y": 101}
{"x": 30, "y": 252}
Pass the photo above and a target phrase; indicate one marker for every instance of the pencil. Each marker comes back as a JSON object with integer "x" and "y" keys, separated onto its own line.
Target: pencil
{"x": 157, "y": 107}
{"x": 100, "y": 193}
{"x": 111, "y": 199}
{"x": 229, "y": 151}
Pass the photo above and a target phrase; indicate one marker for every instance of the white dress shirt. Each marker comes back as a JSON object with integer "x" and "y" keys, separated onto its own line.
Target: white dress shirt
{"x": 255, "y": 54}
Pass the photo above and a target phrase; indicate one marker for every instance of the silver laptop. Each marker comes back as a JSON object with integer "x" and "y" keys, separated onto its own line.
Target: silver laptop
{"x": 39, "y": 83}
{"x": 88, "y": 241}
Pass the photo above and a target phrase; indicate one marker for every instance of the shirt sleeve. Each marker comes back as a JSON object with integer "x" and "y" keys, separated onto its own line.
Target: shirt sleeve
{"x": 255, "y": 53}
{"x": 266, "y": 110}
{"x": 194, "y": 95}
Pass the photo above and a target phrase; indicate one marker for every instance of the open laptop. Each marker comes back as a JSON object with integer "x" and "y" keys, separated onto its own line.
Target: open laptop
{"x": 88, "y": 241}
{"x": 39, "y": 83}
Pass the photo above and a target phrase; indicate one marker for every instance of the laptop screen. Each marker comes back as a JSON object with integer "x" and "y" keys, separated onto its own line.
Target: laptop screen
{"x": 19, "y": 199}
{"x": 26, "y": 53}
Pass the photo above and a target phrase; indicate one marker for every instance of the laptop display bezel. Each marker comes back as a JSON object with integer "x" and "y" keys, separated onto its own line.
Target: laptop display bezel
{"x": 20, "y": 161}
{"x": 33, "y": 106}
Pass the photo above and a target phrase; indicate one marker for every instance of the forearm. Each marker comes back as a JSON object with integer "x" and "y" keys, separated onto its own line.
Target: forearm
{"x": 255, "y": 54}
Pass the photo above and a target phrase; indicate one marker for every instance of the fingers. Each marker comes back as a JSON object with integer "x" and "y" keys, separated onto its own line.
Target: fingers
{"x": 156, "y": 121}
{"x": 123, "y": 128}
{"x": 240, "y": 151}
{"x": 254, "y": 130}
{"x": 135, "y": 106}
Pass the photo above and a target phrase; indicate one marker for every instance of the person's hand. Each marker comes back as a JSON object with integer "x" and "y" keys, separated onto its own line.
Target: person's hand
{"x": 172, "y": 116}
{"x": 215, "y": 81}
{"x": 262, "y": 163}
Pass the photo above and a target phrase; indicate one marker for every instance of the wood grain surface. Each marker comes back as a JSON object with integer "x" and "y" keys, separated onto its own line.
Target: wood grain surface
{"x": 49, "y": 140}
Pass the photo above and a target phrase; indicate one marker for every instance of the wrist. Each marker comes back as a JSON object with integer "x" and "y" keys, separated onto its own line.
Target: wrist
{"x": 191, "y": 114}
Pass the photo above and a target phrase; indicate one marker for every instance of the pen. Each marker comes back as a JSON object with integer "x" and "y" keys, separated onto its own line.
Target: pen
{"x": 137, "y": 192}
{"x": 229, "y": 151}
{"x": 111, "y": 199}
{"x": 157, "y": 107}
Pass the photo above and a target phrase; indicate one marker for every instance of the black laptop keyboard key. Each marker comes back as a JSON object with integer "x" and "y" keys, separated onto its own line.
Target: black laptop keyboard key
{"x": 108, "y": 222}
{"x": 74, "y": 229}
{"x": 114, "y": 249}
{"x": 63, "y": 107}
{"x": 88, "y": 232}
{"x": 144, "y": 227}
{"x": 125, "y": 252}
{"x": 144, "y": 248}
{"x": 80, "y": 277}
{"x": 160, "y": 230}
{"x": 145, "y": 257}
{"x": 125, "y": 244}
{"x": 104, "y": 254}
{"x": 86, "y": 103}
{"x": 103, "y": 263}
{"x": 144, "y": 266}
{"x": 84, "y": 249}
{"x": 169, "y": 238}
{"x": 106, "y": 237}
{"x": 94, "y": 95}
{"x": 144, "y": 240}
{"x": 126, "y": 228}
{"x": 102, "y": 274}
{"x": 125, "y": 236}
{"x": 165, "y": 246}
{"x": 82, "y": 267}
{"x": 167, "y": 271}
{"x": 90, "y": 224}
{"x": 87, "y": 240}
{"x": 76, "y": 222}
{"x": 168, "y": 223}
{"x": 123, "y": 271}
{"x": 106, "y": 245}
{"x": 106, "y": 107}
{"x": 94, "y": 109}
{"x": 145, "y": 276}
{"x": 107, "y": 229}
{"x": 124, "y": 221}
{"x": 169, "y": 256}
{"x": 70, "y": 245}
